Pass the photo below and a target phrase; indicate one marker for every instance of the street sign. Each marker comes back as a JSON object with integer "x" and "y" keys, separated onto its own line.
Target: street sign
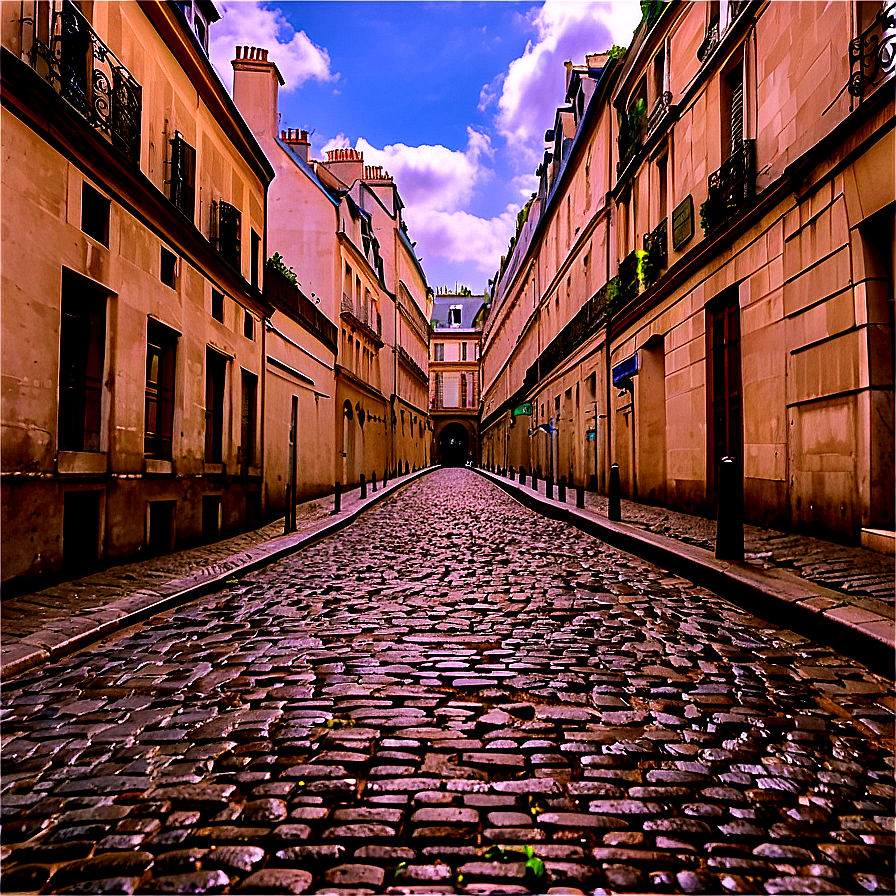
{"x": 524, "y": 409}
{"x": 626, "y": 369}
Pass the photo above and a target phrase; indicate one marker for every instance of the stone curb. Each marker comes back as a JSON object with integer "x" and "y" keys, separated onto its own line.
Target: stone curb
{"x": 777, "y": 595}
{"x": 50, "y": 644}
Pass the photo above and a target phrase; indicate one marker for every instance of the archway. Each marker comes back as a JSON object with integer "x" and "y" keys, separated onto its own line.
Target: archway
{"x": 454, "y": 445}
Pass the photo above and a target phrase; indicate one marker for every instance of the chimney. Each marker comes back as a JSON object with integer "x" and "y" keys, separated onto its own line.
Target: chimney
{"x": 345, "y": 163}
{"x": 256, "y": 84}
{"x": 297, "y": 141}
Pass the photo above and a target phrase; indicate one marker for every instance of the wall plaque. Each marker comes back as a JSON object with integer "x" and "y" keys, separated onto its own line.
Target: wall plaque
{"x": 682, "y": 223}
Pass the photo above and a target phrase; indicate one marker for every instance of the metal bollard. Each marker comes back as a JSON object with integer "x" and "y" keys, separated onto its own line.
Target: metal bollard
{"x": 614, "y": 508}
{"x": 406, "y": 468}
{"x": 730, "y": 517}
{"x": 512, "y": 475}
{"x": 561, "y": 489}
{"x": 363, "y": 486}
{"x": 337, "y": 498}
{"x": 522, "y": 475}
{"x": 549, "y": 488}
{"x": 580, "y": 497}
{"x": 287, "y": 516}
{"x": 373, "y": 480}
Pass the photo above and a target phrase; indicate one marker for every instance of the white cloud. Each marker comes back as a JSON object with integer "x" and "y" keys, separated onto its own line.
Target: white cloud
{"x": 250, "y": 24}
{"x": 434, "y": 177}
{"x": 533, "y": 85}
{"x": 459, "y": 241}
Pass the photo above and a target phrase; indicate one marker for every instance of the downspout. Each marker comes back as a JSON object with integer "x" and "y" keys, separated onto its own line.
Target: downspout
{"x": 608, "y": 375}
{"x": 263, "y": 372}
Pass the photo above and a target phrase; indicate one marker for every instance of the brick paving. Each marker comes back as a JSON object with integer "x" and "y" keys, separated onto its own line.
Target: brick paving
{"x": 454, "y": 695}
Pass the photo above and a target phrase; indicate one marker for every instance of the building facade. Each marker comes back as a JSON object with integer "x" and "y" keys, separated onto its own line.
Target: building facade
{"x": 454, "y": 377}
{"x": 133, "y": 338}
{"x": 706, "y": 269}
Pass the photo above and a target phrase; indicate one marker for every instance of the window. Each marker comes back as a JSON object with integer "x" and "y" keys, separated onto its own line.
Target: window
{"x": 215, "y": 379}
{"x": 161, "y": 348}
{"x": 438, "y": 398}
{"x": 95, "y": 214}
{"x": 732, "y": 110}
{"x": 229, "y": 222}
{"x": 248, "y": 418}
{"x": 248, "y": 324}
{"x": 454, "y": 315}
{"x": 256, "y": 252}
{"x": 463, "y": 390}
{"x": 182, "y": 176}
{"x": 463, "y": 351}
{"x": 218, "y": 305}
{"x": 439, "y": 349}
{"x": 169, "y": 268}
{"x": 662, "y": 186}
{"x": 82, "y": 351}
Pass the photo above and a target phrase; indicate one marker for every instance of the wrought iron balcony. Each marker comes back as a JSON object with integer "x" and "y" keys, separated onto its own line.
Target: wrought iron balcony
{"x": 730, "y": 188}
{"x": 369, "y": 322}
{"x": 632, "y": 130}
{"x": 661, "y": 109}
{"x": 347, "y": 306}
{"x": 656, "y": 259}
{"x": 91, "y": 78}
{"x": 710, "y": 42}
{"x": 628, "y": 277}
{"x": 872, "y": 55}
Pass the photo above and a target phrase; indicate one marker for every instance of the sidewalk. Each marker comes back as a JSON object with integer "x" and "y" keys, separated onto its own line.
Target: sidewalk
{"x": 839, "y": 594}
{"x": 61, "y": 619}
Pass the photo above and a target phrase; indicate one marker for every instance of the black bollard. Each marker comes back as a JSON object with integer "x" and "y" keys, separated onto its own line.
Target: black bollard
{"x": 512, "y": 474}
{"x": 614, "y": 509}
{"x": 337, "y": 497}
{"x": 385, "y": 478}
{"x": 287, "y": 516}
{"x": 580, "y": 496}
{"x": 363, "y": 486}
{"x": 730, "y": 517}
{"x": 549, "y": 488}
{"x": 522, "y": 475}
{"x": 561, "y": 489}
{"x": 406, "y": 468}
{"x": 373, "y": 480}
{"x": 534, "y": 481}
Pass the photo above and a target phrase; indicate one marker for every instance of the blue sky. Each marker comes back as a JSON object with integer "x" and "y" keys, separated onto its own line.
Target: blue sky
{"x": 453, "y": 98}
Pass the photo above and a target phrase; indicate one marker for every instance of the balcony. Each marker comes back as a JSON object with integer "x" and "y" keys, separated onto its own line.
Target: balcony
{"x": 632, "y": 131}
{"x": 628, "y": 277}
{"x": 662, "y": 108}
{"x": 284, "y": 294}
{"x": 730, "y": 188}
{"x": 656, "y": 254}
{"x": 710, "y": 41}
{"x": 88, "y": 75}
{"x": 362, "y": 319}
{"x": 872, "y": 55}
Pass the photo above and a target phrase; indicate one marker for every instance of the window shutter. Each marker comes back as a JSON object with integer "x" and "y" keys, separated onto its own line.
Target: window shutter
{"x": 737, "y": 108}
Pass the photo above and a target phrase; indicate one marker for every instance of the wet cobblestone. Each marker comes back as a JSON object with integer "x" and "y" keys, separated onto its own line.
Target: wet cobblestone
{"x": 453, "y": 695}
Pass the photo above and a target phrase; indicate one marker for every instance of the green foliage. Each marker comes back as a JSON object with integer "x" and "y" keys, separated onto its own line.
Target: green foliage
{"x": 705, "y": 217}
{"x": 651, "y": 10}
{"x": 648, "y": 269}
{"x": 465, "y": 291}
{"x": 534, "y": 865}
{"x": 616, "y": 52}
{"x": 276, "y": 263}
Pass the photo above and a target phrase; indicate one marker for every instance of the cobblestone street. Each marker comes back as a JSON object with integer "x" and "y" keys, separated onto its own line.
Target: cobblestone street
{"x": 453, "y": 695}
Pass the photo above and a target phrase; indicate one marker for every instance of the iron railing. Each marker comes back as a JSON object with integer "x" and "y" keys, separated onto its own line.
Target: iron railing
{"x": 280, "y": 291}
{"x": 730, "y": 188}
{"x": 661, "y": 109}
{"x": 369, "y": 322}
{"x": 632, "y": 130}
{"x": 656, "y": 247}
{"x": 710, "y": 42}
{"x": 628, "y": 277}
{"x": 872, "y": 55}
{"x": 91, "y": 78}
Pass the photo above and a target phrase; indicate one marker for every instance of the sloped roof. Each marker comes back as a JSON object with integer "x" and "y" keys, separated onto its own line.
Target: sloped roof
{"x": 470, "y": 308}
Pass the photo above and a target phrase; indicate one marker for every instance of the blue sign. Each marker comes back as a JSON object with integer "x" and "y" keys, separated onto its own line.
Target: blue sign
{"x": 591, "y": 435}
{"x": 626, "y": 369}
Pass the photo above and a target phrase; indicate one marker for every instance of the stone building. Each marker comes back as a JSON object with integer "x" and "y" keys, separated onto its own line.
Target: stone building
{"x": 454, "y": 376}
{"x": 134, "y": 236}
{"x": 706, "y": 269}
{"x": 337, "y": 225}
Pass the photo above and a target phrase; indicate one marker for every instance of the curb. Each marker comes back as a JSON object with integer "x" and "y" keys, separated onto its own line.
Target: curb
{"x": 49, "y": 645}
{"x": 776, "y": 595}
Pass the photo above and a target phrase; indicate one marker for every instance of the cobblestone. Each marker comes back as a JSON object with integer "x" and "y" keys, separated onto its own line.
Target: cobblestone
{"x": 303, "y": 729}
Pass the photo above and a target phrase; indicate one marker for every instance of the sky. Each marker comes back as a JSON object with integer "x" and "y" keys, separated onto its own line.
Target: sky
{"x": 452, "y": 98}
